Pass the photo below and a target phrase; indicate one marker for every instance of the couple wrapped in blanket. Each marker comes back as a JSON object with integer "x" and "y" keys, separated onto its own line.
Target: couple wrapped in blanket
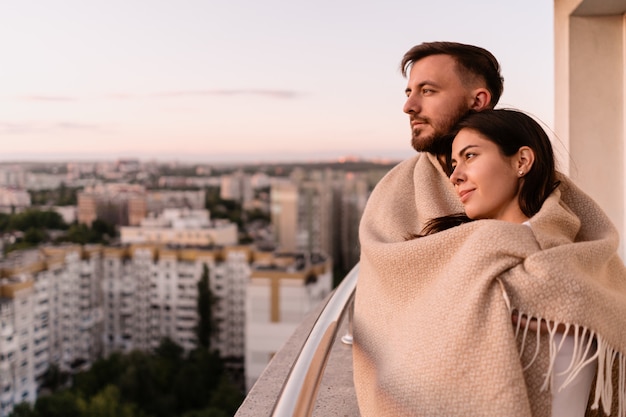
{"x": 470, "y": 320}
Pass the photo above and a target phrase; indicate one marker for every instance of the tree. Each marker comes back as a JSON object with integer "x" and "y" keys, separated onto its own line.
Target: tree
{"x": 206, "y": 326}
{"x": 99, "y": 232}
{"x": 60, "y": 404}
{"x": 207, "y": 412}
{"x": 23, "y": 410}
{"x": 36, "y": 219}
{"x": 103, "y": 229}
{"x": 102, "y": 373}
{"x": 226, "y": 397}
{"x": 82, "y": 234}
{"x": 196, "y": 379}
{"x": 54, "y": 378}
{"x": 66, "y": 196}
{"x": 138, "y": 383}
{"x": 35, "y": 236}
{"x": 107, "y": 404}
{"x": 170, "y": 351}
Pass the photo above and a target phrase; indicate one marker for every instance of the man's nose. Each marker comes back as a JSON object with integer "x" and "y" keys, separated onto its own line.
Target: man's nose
{"x": 412, "y": 105}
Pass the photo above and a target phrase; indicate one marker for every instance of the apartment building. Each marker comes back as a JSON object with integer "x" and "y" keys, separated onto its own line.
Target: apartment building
{"x": 158, "y": 201}
{"x": 17, "y": 359}
{"x": 151, "y": 292}
{"x": 320, "y": 211}
{"x": 110, "y": 202}
{"x": 13, "y": 175}
{"x": 237, "y": 186}
{"x": 13, "y": 199}
{"x": 70, "y": 305}
{"x": 181, "y": 227}
{"x": 48, "y": 315}
{"x": 302, "y": 214}
{"x": 128, "y": 204}
{"x": 282, "y": 289}
{"x": 351, "y": 195}
{"x": 71, "y": 283}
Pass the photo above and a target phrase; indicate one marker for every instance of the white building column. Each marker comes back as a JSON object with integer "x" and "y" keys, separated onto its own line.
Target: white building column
{"x": 590, "y": 92}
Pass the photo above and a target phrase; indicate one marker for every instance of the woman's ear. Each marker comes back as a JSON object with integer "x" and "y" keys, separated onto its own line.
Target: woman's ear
{"x": 481, "y": 99}
{"x": 525, "y": 160}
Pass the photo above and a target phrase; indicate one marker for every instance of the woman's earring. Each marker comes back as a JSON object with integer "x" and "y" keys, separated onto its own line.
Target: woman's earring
{"x": 521, "y": 173}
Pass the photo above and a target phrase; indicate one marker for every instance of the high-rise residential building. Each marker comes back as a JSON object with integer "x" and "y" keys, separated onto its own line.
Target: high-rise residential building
{"x": 49, "y": 314}
{"x": 168, "y": 181}
{"x": 127, "y": 204}
{"x": 44, "y": 181}
{"x": 282, "y": 289}
{"x": 13, "y": 175}
{"x": 158, "y": 201}
{"x": 109, "y": 202}
{"x": 69, "y": 305}
{"x": 17, "y": 356}
{"x": 13, "y": 199}
{"x": 87, "y": 208}
{"x": 151, "y": 292}
{"x": 181, "y": 227}
{"x": 301, "y": 212}
{"x": 320, "y": 211}
{"x": 315, "y": 204}
{"x": 284, "y": 213}
{"x": 236, "y": 186}
{"x": 71, "y": 283}
{"x": 353, "y": 192}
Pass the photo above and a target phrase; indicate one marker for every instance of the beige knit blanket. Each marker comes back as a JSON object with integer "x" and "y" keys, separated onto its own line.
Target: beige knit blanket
{"x": 433, "y": 334}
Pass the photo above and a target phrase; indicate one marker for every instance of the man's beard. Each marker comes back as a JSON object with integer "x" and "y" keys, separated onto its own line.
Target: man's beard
{"x": 434, "y": 143}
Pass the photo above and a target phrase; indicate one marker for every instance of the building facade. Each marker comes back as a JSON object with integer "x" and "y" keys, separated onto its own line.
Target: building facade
{"x": 590, "y": 117}
{"x": 181, "y": 227}
{"x": 282, "y": 289}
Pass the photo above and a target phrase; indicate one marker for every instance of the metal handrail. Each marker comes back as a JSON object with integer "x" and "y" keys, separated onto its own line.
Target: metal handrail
{"x": 298, "y": 395}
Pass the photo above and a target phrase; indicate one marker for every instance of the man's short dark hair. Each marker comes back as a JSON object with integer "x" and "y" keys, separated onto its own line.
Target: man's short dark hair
{"x": 472, "y": 61}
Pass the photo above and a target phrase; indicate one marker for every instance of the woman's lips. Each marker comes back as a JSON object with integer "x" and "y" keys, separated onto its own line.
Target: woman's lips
{"x": 464, "y": 195}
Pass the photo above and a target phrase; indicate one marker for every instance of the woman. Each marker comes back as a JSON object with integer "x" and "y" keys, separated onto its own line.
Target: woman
{"x": 515, "y": 170}
{"x": 442, "y": 343}
{"x": 502, "y": 167}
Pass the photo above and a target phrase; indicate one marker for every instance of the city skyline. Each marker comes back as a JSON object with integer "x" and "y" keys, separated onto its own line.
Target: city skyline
{"x": 241, "y": 81}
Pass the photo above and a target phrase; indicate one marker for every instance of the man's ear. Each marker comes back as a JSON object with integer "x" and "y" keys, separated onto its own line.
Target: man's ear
{"x": 481, "y": 99}
{"x": 525, "y": 159}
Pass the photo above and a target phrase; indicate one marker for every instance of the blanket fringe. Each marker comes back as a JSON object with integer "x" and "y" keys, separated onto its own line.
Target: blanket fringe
{"x": 589, "y": 347}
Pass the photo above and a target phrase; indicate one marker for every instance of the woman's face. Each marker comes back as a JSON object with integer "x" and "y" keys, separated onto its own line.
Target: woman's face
{"x": 486, "y": 181}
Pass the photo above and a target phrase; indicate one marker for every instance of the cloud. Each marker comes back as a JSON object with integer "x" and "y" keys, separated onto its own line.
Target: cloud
{"x": 48, "y": 98}
{"x": 279, "y": 94}
{"x": 26, "y": 128}
{"x": 75, "y": 126}
{"x": 272, "y": 94}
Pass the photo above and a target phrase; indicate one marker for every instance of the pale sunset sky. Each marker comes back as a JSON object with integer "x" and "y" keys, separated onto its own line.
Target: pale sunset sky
{"x": 242, "y": 80}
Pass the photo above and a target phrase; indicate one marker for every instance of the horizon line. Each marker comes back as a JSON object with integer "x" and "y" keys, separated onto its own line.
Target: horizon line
{"x": 292, "y": 157}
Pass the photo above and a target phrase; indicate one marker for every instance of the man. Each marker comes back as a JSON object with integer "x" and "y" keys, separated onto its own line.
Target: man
{"x": 446, "y": 80}
{"x": 431, "y": 342}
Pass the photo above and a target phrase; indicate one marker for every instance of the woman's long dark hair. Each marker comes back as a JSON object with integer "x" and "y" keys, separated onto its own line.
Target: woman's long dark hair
{"x": 510, "y": 130}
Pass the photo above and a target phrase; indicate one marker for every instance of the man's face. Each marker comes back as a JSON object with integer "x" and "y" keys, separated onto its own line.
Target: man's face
{"x": 436, "y": 100}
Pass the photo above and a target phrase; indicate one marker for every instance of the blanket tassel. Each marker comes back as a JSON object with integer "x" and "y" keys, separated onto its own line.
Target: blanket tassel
{"x": 589, "y": 347}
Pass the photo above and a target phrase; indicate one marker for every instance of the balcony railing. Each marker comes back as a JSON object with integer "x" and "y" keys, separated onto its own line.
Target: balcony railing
{"x": 290, "y": 384}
